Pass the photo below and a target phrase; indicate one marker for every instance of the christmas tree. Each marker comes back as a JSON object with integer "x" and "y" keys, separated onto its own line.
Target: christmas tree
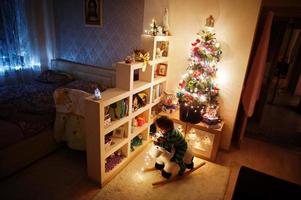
{"x": 198, "y": 87}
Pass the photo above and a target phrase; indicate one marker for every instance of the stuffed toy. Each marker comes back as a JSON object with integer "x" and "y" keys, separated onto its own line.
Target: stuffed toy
{"x": 139, "y": 100}
{"x": 169, "y": 103}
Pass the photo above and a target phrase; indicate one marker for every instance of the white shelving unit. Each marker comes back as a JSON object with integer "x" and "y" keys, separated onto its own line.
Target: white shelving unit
{"x": 126, "y": 87}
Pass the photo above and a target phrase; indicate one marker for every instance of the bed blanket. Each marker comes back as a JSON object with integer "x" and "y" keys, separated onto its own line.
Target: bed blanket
{"x": 69, "y": 122}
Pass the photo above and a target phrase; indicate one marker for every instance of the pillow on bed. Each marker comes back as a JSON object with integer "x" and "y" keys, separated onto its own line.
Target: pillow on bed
{"x": 87, "y": 86}
{"x": 53, "y": 77}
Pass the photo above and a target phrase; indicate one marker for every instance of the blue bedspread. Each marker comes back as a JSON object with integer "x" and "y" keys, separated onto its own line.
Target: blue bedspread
{"x": 29, "y": 106}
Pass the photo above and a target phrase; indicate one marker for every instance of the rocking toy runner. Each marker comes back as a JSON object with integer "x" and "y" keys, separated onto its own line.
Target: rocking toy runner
{"x": 172, "y": 153}
{"x": 169, "y": 168}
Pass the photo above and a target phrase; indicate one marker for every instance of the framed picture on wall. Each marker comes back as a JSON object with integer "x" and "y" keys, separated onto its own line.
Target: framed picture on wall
{"x": 93, "y": 12}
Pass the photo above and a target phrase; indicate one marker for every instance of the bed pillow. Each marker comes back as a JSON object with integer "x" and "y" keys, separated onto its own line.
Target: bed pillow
{"x": 87, "y": 86}
{"x": 53, "y": 77}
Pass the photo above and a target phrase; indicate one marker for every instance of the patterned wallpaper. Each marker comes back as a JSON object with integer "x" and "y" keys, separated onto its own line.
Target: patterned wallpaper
{"x": 120, "y": 34}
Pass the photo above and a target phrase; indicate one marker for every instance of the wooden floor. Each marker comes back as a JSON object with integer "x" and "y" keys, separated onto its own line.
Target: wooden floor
{"x": 264, "y": 157}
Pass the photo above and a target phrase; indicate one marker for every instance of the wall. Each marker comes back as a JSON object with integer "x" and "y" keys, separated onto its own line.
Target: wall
{"x": 235, "y": 27}
{"x": 120, "y": 34}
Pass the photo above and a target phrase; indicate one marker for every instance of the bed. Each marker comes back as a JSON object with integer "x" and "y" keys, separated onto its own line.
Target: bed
{"x": 29, "y": 112}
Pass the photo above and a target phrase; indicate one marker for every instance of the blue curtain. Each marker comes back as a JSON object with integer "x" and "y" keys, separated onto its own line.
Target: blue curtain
{"x": 17, "y": 60}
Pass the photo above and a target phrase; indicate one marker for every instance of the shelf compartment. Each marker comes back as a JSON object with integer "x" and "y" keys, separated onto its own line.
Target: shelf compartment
{"x": 139, "y": 123}
{"x": 156, "y": 101}
{"x": 115, "y": 139}
{"x": 157, "y": 46}
{"x": 158, "y": 92}
{"x": 137, "y": 130}
{"x": 115, "y": 114}
{"x": 200, "y": 141}
{"x": 162, "y": 49}
{"x": 114, "y": 160}
{"x": 141, "y": 74}
{"x": 139, "y": 140}
{"x": 140, "y": 100}
{"x": 155, "y": 110}
{"x": 118, "y": 142}
{"x": 115, "y": 124}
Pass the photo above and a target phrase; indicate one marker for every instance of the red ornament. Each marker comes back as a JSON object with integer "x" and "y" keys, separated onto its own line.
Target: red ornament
{"x": 215, "y": 89}
{"x": 198, "y": 40}
{"x": 195, "y": 49}
{"x": 193, "y": 44}
{"x": 196, "y": 74}
{"x": 182, "y": 84}
{"x": 188, "y": 98}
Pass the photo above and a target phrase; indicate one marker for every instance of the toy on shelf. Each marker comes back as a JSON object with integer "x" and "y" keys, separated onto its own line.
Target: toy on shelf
{"x": 129, "y": 59}
{"x": 97, "y": 94}
{"x": 136, "y": 141}
{"x": 113, "y": 160}
{"x": 170, "y": 102}
{"x": 138, "y": 121}
{"x": 142, "y": 56}
{"x": 156, "y": 109}
{"x": 162, "y": 49}
{"x": 107, "y": 120}
{"x": 108, "y": 141}
{"x": 118, "y": 110}
{"x": 139, "y": 100}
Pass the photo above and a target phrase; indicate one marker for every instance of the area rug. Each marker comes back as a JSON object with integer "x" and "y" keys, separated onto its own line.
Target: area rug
{"x": 208, "y": 183}
{"x": 252, "y": 184}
